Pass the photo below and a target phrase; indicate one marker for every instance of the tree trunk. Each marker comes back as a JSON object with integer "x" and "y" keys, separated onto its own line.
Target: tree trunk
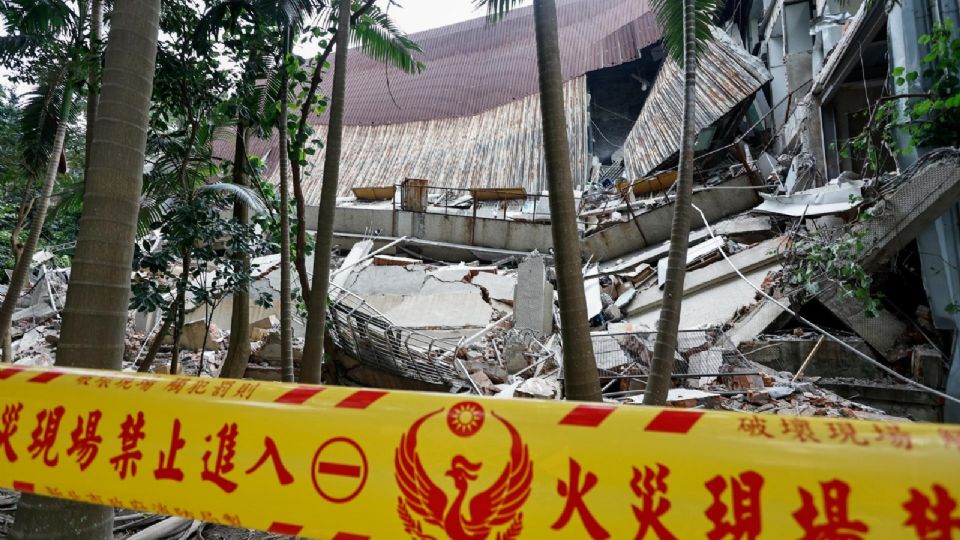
{"x": 93, "y": 84}
{"x": 238, "y": 353}
{"x": 310, "y": 366}
{"x": 664, "y": 351}
{"x": 95, "y": 315}
{"x": 180, "y": 311}
{"x": 21, "y": 271}
{"x": 286, "y": 311}
{"x": 299, "y": 140}
{"x": 580, "y": 369}
{"x": 301, "y": 246}
{"x": 147, "y": 362}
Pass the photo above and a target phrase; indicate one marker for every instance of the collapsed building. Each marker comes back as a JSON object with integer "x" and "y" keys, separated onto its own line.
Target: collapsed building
{"x": 443, "y": 278}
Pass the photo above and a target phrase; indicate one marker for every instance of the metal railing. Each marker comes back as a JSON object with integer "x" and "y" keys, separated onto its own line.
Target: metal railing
{"x": 700, "y": 353}
{"x": 372, "y": 339}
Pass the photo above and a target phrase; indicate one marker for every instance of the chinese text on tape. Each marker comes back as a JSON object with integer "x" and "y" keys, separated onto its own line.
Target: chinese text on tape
{"x": 343, "y": 463}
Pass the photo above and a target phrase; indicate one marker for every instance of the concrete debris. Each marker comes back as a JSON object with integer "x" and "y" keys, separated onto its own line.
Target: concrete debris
{"x": 829, "y": 199}
{"x": 538, "y": 388}
{"x": 197, "y": 335}
{"x": 533, "y": 297}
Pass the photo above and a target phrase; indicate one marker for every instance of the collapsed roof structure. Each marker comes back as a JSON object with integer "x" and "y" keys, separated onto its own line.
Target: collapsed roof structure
{"x": 471, "y": 119}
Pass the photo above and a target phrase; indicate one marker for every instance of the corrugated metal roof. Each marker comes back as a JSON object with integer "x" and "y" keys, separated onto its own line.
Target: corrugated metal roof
{"x": 499, "y": 148}
{"x": 727, "y": 75}
{"x": 475, "y": 66}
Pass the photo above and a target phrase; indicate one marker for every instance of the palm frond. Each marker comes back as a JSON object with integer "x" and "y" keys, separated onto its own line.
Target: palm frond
{"x": 669, "y": 14}
{"x": 379, "y": 38}
{"x": 38, "y": 121}
{"x": 497, "y": 9}
{"x": 224, "y": 14}
{"x": 45, "y": 17}
{"x": 12, "y": 46}
{"x": 244, "y": 194}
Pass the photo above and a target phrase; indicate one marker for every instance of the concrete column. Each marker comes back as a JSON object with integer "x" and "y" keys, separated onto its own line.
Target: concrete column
{"x": 533, "y": 297}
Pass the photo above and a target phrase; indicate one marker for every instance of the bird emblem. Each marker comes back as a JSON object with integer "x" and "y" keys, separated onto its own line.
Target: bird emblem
{"x": 495, "y": 510}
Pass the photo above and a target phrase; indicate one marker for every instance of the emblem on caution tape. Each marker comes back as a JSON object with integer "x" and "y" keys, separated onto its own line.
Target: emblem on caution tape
{"x": 496, "y": 510}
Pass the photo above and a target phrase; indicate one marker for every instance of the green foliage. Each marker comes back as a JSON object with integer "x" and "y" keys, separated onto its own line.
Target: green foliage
{"x": 669, "y": 15}
{"x": 197, "y": 226}
{"x": 837, "y": 261}
{"x": 930, "y": 119}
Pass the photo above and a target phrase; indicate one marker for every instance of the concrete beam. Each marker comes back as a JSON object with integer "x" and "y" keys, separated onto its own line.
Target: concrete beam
{"x": 747, "y": 260}
{"x": 653, "y": 227}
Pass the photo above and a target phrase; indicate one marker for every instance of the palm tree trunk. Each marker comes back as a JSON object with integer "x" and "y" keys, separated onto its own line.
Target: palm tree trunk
{"x": 95, "y": 315}
{"x": 310, "y": 366}
{"x": 580, "y": 369}
{"x": 238, "y": 353}
{"x": 21, "y": 272}
{"x": 664, "y": 351}
{"x": 286, "y": 311}
{"x": 93, "y": 68}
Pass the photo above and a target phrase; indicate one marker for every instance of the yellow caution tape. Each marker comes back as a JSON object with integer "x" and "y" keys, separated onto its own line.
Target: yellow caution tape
{"x": 334, "y": 462}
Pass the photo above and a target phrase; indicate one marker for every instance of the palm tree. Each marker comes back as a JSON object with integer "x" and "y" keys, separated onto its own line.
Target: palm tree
{"x": 93, "y": 72}
{"x": 684, "y": 27}
{"x": 580, "y": 368}
{"x": 54, "y": 29}
{"x": 694, "y": 16}
{"x": 95, "y": 314}
{"x": 286, "y": 300}
{"x": 375, "y": 35}
{"x": 24, "y": 260}
{"x": 312, "y": 362}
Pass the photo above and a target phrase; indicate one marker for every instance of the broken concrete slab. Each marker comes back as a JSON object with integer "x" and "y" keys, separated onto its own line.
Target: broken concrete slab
{"x": 435, "y": 311}
{"x": 358, "y": 252}
{"x": 713, "y": 305}
{"x": 881, "y": 332}
{"x": 694, "y": 253}
{"x": 39, "y": 312}
{"x": 499, "y": 288}
{"x": 380, "y": 280}
{"x": 757, "y": 256}
{"x": 756, "y": 321}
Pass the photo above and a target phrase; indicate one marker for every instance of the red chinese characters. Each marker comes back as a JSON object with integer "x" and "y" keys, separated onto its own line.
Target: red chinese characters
{"x": 215, "y": 472}
{"x": 167, "y": 469}
{"x": 801, "y": 429}
{"x": 934, "y": 519}
{"x": 9, "y": 421}
{"x": 651, "y": 488}
{"x": 574, "y": 492}
{"x": 835, "y": 522}
{"x": 270, "y": 452}
{"x": 85, "y": 442}
{"x": 895, "y": 435}
{"x": 754, "y": 426}
{"x": 45, "y": 435}
{"x": 745, "y": 518}
{"x": 131, "y": 433}
{"x": 845, "y": 432}
{"x": 951, "y": 438}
